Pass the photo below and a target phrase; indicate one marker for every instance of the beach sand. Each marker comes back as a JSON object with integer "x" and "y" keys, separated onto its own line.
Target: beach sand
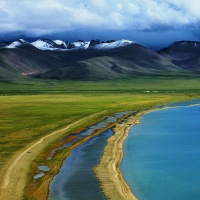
{"x": 107, "y": 171}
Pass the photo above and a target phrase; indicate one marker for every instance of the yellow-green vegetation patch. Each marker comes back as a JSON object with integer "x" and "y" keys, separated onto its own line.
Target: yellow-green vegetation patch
{"x": 25, "y": 119}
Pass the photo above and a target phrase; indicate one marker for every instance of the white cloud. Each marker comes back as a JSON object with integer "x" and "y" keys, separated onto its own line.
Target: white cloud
{"x": 119, "y": 7}
{"x": 100, "y": 5}
{"x": 49, "y": 16}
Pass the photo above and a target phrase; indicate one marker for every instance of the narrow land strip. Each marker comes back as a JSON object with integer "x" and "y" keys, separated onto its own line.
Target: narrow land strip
{"x": 43, "y": 190}
{"x": 107, "y": 171}
{"x": 15, "y": 178}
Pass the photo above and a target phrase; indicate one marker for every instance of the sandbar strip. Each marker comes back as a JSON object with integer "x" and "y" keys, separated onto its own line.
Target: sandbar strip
{"x": 107, "y": 171}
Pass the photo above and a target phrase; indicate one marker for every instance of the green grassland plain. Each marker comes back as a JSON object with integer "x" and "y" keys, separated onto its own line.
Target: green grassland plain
{"x": 29, "y": 110}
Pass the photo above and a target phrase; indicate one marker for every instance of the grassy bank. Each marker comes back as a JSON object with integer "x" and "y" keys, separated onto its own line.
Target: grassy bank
{"x": 27, "y": 117}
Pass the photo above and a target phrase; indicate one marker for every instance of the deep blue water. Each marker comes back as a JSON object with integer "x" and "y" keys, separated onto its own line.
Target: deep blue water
{"x": 162, "y": 155}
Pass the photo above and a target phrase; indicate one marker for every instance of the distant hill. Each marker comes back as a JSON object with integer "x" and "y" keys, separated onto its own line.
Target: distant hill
{"x": 93, "y": 60}
{"x": 185, "y": 54}
{"x": 127, "y": 61}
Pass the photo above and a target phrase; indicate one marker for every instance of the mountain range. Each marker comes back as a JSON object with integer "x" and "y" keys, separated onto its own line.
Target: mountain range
{"x": 95, "y": 59}
{"x": 59, "y": 45}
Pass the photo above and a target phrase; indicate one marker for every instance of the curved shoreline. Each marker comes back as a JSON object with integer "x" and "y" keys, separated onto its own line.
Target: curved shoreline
{"x": 107, "y": 171}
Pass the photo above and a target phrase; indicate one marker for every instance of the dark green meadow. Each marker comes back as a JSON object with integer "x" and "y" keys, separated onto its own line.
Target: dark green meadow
{"x": 163, "y": 84}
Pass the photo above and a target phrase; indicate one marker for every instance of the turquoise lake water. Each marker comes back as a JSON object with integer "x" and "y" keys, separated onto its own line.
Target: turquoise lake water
{"x": 162, "y": 155}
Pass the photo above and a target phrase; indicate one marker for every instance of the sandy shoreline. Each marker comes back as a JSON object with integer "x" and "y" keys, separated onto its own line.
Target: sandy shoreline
{"x": 107, "y": 171}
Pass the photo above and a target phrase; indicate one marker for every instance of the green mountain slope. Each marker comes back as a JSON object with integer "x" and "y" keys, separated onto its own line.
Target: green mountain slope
{"x": 132, "y": 60}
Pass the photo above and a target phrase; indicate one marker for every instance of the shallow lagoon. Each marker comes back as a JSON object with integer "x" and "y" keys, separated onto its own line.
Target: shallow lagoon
{"x": 162, "y": 155}
{"x": 76, "y": 179}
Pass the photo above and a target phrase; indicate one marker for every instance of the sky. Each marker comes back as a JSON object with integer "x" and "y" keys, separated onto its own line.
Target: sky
{"x": 152, "y": 23}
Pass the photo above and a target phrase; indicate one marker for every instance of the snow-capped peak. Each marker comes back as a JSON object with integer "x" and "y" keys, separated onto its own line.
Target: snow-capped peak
{"x": 23, "y": 41}
{"x": 59, "y": 42}
{"x": 113, "y": 44}
{"x": 44, "y": 44}
{"x": 17, "y": 43}
{"x": 62, "y": 44}
{"x": 59, "y": 45}
{"x": 81, "y": 44}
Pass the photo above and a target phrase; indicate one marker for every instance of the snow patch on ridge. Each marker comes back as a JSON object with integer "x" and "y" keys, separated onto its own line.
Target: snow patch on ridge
{"x": 42, "y": 45}
{"x": 81, "y": 44}
{"x": 59, "y": 45}
{"x": 14, "y": 45}
{"x": 60, "y": 42}
{"x": 116, "y": 44}
{"x": 18, "y": 43}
